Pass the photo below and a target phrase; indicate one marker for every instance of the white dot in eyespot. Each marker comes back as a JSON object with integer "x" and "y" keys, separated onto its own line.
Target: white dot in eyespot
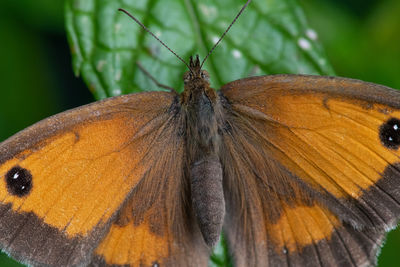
{"x": 23, "y": 187}
{"x": 284, "y": 250}
{"x": 16, "y": 175}
{"x": 236, "y": 53}
{"x": 156, "y": 265}
{"x": 390, "y": 138}
{"x": 304, "y": 43}
{"x": 395, "y": 127}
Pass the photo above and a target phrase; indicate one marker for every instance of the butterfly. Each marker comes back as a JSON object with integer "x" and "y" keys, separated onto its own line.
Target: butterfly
{"x": 296, "y": 170}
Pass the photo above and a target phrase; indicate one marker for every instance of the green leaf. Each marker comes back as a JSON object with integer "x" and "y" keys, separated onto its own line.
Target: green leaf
{"x": 38, "y": 14}
{"x": 270, "y": 37}
{"x": 7, "y": 261}
{"x": 220, "y": 256}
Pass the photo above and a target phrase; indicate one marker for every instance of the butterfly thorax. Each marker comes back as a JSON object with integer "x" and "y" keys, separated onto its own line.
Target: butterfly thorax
{"x": 200, "y": 105}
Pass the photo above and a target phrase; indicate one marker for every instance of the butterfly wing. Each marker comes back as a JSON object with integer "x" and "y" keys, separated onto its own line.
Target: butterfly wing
{"x": 155, "y": 227}
{"x": 318, "y": 160}
{"x": 65, "y": 180}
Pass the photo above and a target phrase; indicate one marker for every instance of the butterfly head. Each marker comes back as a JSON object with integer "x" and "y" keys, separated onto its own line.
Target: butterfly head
{"x": 195, "y": 76}
{"x": 196, "y": 83}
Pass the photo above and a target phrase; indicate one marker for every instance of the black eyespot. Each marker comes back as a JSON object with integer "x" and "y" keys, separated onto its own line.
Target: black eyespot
{"x": 389, "y": 133}
{"x": 19, "y": 181}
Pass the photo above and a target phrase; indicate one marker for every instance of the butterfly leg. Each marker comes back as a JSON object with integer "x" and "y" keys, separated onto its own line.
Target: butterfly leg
{"x": 172, "y": 90}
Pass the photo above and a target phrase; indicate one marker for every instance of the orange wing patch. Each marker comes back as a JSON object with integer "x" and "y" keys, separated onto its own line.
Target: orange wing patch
{"x": 133, "y": 245}
{"x": 301, "y": 226}
{"x": 312, "y": 235}
{"x": 333, "y": 143}
{"x": 72, "y": 189}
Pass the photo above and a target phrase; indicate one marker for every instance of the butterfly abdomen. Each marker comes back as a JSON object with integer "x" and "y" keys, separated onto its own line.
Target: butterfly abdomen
{"x": 208, "y": 198}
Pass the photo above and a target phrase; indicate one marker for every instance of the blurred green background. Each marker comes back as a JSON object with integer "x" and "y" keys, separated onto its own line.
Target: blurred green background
{"x": 361, "y": 38}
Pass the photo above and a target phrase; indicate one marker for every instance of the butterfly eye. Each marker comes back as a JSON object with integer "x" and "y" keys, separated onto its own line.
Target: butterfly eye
{"x": 389, "y": 133}
{"x": 187, "y": 77}
{"x": 19, "y": 181}
{"x": 204, "y": 75}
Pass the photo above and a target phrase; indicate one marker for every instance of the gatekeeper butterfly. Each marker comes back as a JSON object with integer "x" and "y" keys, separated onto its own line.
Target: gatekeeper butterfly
{"x": 296, "y": 170}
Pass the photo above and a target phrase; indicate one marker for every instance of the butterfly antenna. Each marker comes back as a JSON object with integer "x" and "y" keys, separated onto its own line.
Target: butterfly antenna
{"x": 223, "y": 35}
{"x": 152, "y": 34}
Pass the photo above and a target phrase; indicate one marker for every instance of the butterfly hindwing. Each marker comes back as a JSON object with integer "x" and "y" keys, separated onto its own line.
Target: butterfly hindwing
{"x": 319, "y": 158}
{"x": 63, "y": 180}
